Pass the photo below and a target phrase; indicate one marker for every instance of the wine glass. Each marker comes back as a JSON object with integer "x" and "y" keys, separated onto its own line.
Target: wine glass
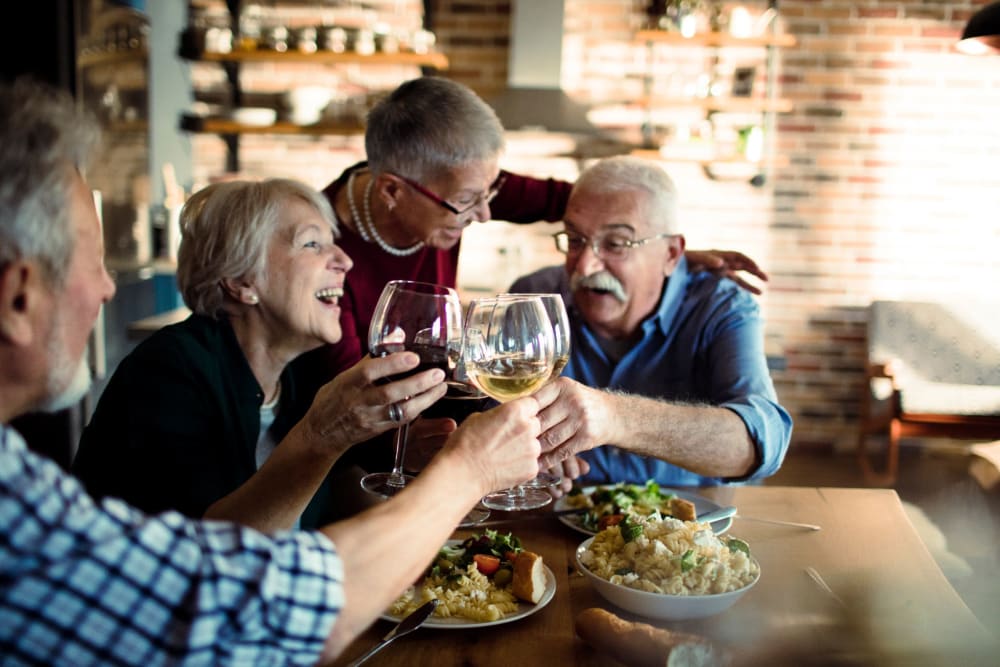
{"x": 555, "y": 308}
{"x": 422, "y": 318}
{"x": 507, "y": 352}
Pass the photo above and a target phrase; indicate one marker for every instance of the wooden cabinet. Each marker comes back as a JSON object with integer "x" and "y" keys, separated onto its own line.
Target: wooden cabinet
{"x": 737, "y": 102}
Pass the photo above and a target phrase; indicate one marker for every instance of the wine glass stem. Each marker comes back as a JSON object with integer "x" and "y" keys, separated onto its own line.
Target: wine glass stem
{"x": 396, "y": 478}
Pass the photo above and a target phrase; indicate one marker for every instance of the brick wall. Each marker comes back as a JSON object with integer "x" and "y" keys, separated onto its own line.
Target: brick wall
{"x": 887, "y": 187}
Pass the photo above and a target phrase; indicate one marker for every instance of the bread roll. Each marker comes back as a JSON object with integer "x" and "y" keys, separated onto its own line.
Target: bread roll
{"x": 641, "y": 645}
{"x": 529, "y": 577}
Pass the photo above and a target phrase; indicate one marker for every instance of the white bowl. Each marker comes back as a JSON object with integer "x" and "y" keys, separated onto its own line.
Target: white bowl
{"x": 658, "y": 605}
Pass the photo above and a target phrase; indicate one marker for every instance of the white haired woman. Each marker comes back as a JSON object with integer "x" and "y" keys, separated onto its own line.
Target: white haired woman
{"x": 204, "y": 416}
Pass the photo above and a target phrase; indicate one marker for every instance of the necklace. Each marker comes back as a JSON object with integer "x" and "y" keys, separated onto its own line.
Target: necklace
{"x": 366, "y": 226}
{"x": 268, "y": 405}
{"x": 354, "y": 208}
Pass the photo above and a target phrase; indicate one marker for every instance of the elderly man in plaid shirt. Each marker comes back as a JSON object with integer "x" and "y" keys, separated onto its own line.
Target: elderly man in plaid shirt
{"x": 86, "y": 583}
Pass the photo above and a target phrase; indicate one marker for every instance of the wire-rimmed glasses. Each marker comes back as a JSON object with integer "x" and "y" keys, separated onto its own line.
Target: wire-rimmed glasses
{"x": 613, "y": 246}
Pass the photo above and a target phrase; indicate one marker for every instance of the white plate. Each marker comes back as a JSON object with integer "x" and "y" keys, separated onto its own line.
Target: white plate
{"x": 523, "y": 608}
{"x": 701, "y": 505}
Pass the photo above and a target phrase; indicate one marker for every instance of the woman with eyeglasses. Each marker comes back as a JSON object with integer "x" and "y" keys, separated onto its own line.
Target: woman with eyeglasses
{"x": 434, "y": 151}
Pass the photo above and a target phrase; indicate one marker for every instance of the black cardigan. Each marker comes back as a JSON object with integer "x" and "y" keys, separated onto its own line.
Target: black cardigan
{"x": 177, "y": 425}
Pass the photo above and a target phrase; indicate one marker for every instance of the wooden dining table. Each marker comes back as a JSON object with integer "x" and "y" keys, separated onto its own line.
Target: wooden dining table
{"x": 876, "y": 595}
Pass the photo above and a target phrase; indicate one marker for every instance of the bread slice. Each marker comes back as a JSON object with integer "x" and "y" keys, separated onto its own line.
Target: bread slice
{"x": 683, "y": 509}
{"x": 529, "y": 577}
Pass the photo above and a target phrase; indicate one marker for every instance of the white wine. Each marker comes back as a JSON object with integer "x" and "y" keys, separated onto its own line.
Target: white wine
{"x": 557, "y": 367}
{"x": 508, "y": 378}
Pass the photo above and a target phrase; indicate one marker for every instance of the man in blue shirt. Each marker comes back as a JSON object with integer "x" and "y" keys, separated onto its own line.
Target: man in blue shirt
{"x": 667, "y": 378}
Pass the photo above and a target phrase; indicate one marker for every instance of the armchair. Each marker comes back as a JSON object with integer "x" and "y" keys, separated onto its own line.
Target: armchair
{"x": 933, "y": 371}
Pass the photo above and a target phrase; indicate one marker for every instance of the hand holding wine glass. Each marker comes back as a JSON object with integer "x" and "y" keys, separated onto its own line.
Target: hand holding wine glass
{"x": 421, "y": 318}
{"x": 555, "y": 308}
{"x": 507, "y": 351}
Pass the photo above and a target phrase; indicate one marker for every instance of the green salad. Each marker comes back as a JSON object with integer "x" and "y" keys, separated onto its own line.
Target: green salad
{"x": 610, "y": 504}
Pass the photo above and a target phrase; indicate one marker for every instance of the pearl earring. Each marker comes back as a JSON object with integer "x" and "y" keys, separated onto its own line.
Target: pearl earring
{"x": 253, "y": 299}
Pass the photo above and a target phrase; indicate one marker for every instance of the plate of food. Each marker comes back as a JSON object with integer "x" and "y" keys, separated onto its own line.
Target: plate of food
{"x": 607, "y": 504}
{"x": 484, "y": 580}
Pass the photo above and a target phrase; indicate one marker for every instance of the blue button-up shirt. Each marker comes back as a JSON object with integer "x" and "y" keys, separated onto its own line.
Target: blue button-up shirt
{"x": 88, "y": 584}
{"x": 703, "y": 344}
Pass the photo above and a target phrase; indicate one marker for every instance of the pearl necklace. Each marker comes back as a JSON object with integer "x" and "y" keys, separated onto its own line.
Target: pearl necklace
{"x": 366, "y": 226}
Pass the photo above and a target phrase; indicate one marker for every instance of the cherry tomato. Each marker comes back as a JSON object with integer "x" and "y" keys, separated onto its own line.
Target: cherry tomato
{"x": 486, "y": 564}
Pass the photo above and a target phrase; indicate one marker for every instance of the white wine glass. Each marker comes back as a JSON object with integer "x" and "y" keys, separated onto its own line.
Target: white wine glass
{"x": 507, "y": 352}
{"x": 555, "y": 308}
{"x": 419, "y": 317}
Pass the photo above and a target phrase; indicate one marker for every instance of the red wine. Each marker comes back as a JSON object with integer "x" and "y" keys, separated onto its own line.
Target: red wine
{"x": 460, "y": 402}
{"x": 431, "y": 356}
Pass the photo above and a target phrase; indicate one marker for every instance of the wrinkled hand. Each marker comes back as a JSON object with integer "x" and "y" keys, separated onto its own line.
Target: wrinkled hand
{"x": 500, "y": 446}
{"x": 575, "y": 418}
{"x": 352, "y": 408}
{"x": 425, "y": 438}
{"x": 569, "y": 470}
{"x": 726, "y": 263}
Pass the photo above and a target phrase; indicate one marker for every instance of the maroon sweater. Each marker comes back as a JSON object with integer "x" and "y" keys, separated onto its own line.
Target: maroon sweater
{"x": 521, "y": 200}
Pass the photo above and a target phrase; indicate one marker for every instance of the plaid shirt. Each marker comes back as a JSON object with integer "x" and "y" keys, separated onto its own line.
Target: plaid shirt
{"x": 89, "y": 584}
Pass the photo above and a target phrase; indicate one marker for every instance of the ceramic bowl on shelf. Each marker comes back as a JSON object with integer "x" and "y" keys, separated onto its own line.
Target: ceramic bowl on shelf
{"x": 660, "y": 605}
{"x": 255, "y": 116}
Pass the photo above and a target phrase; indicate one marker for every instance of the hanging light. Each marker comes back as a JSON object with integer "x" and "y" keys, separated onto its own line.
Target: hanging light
{"x": 982, "y": 33}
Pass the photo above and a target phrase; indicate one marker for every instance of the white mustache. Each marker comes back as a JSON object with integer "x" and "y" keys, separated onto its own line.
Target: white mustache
{"x": 602, "y": 280}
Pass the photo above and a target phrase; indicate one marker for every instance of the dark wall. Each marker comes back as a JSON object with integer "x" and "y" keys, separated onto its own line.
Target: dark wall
{"x": 46, "y": 49}
{"x": 47, "y": 52}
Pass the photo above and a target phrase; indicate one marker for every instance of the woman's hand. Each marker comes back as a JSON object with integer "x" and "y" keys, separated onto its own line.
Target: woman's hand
{"x": 352, "y": 408}
{"x": 726, "y": 263}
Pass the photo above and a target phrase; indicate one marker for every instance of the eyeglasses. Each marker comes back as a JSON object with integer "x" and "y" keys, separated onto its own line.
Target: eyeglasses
{"x": 610, "y": 246}
{"x": 484, "y": 198}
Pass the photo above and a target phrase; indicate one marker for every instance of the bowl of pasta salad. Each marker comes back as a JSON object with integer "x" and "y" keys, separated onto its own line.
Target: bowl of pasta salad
{"x": 666, "y": 568}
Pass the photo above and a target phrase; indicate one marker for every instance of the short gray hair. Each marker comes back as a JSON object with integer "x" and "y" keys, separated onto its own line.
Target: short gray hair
{"x": 429, "y": 125}
{"x": 624, "y": 173}
{"x": 43, "y": 137}
{"x": 225, "y": 230}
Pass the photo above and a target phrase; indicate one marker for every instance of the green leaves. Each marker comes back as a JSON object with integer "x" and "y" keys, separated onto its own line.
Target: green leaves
{"x": 735, "y": 544}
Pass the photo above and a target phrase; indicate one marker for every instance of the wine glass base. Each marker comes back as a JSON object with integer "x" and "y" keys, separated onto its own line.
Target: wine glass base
{"x": 516, "y": 500}
{"x": 542, "y": 480}
{"x": 476, "y": 516}
{"x": 385, "y": 484}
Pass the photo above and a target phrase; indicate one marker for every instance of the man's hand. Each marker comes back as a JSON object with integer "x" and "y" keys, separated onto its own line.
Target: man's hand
{"x": 726, "y": 263}
{"x": 500, "y": 447}
{"x": 569, "y": 470}
{"x": 575, "y": 418}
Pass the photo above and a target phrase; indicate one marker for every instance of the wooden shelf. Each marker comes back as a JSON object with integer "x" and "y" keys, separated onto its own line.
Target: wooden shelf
{"x": 730, "y": 104}
{"x": 227, "y": 126}
{"x": 714, "y": 39}
{"x": 110, "y": 57}
{"x": 435, "y": 60}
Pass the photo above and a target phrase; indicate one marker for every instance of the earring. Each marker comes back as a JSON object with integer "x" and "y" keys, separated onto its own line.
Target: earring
{"x": 252, "y": 299}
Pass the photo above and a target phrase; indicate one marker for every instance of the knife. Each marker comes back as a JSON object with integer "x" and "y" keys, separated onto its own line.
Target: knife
{"x": 405, "y": 627}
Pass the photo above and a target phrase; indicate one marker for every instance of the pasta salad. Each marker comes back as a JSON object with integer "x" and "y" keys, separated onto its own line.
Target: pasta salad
{"x": 670, "y": 556}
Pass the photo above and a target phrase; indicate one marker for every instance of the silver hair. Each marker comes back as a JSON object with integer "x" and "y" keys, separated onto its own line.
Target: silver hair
{"x": 429, "y": 125}
{"x": 43, "y": 137}
{"x": 624, "y": 173}
{"x": 225, "y": 230}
